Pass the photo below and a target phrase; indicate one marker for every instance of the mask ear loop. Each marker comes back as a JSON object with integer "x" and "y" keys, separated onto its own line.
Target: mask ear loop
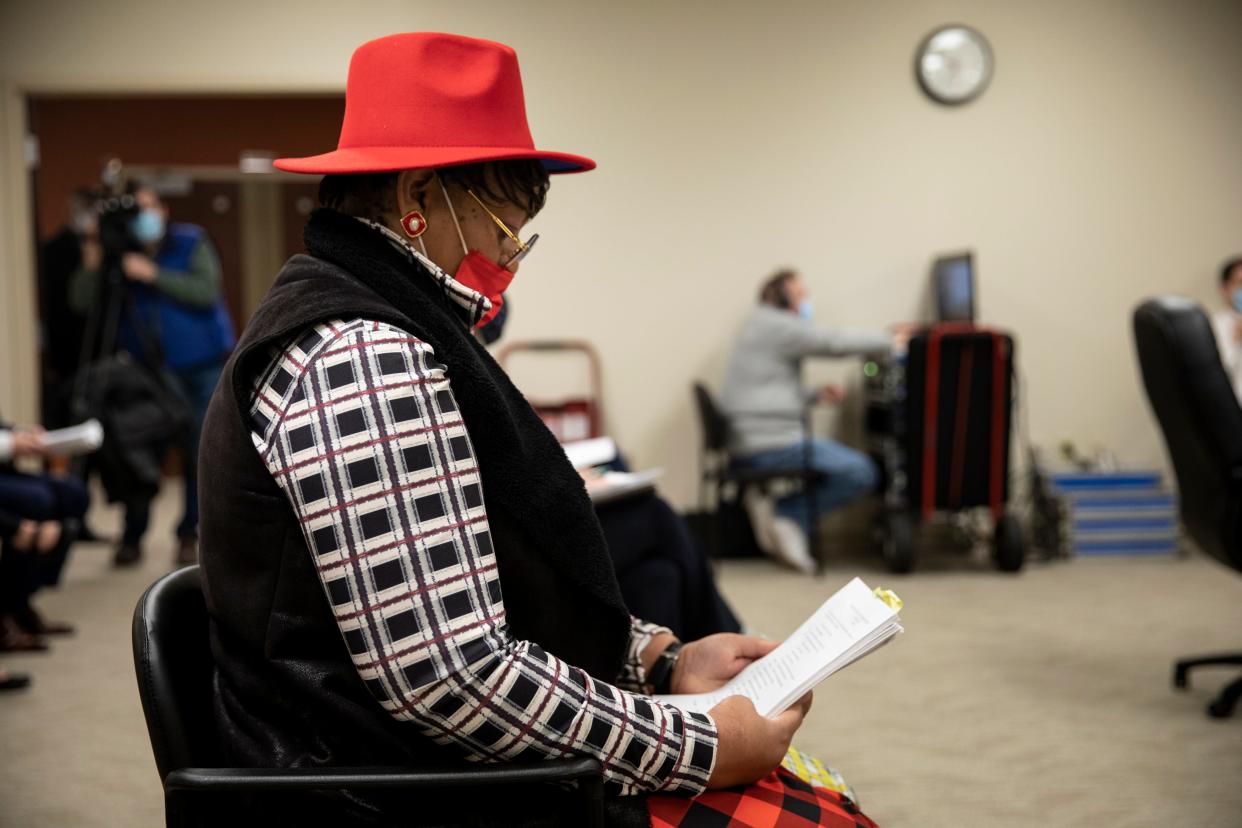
{"x": 453, "y": 212}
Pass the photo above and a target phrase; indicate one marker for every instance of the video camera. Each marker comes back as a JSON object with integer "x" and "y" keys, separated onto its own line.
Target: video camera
{"x": 116, "y": 207}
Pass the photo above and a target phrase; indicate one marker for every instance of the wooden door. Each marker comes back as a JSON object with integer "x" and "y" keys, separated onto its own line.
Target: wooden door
{"x": 213, "y": 205}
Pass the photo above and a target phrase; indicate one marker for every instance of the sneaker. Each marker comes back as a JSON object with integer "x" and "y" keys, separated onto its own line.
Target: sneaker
{"x": 127, "y": 554}
{"x": 187, "y": 551}
{"x": 791, "y": 547}
{"x": 761, "y": 511}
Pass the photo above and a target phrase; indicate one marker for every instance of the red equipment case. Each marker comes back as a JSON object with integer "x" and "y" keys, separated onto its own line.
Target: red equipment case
{"x": 940, "y": 422}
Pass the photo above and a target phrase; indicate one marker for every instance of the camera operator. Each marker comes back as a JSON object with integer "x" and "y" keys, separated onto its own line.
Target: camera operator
{"x": 173, "y": 320}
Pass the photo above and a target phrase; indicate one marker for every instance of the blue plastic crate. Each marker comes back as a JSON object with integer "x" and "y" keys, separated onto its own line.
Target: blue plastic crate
{"x": 1091, "y": 481}
{"x": 1118, "y": 513}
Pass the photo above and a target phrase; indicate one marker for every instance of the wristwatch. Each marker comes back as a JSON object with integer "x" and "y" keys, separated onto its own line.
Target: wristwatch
{"x": 660, "y": 676}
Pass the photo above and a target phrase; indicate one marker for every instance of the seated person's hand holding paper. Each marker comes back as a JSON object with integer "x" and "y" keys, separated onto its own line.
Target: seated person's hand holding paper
{"x": 850, "y": 624}
{"x": 749, "y": 743}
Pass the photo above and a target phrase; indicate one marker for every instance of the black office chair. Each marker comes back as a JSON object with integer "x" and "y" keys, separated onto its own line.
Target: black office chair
{"x": 1202, "y": 424}
{"x": 173, "y": 662}
{"x": 722, "y": 481}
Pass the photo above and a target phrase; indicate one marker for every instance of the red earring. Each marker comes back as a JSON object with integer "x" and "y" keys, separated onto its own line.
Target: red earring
{"x": 414, "y": 224}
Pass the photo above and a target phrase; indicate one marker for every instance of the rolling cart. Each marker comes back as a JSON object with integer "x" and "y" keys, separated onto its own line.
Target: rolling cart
{"x": 938, "y": 423}
{"x": 571, "y": 415}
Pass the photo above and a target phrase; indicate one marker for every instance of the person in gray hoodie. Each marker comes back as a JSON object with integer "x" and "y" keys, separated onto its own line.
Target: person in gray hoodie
{"x": 765, "y": 401}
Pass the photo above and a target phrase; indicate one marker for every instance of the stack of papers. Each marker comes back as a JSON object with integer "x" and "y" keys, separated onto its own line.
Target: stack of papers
{"x": 585, "y": 454}
{"x": 850, "y": 624}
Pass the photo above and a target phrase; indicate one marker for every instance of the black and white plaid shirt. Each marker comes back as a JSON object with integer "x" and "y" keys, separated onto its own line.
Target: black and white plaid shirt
{"x": 357, "y": 423}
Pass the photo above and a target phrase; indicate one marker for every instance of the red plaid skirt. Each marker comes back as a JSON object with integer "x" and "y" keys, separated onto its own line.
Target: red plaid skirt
{"x": 779, "y": 800}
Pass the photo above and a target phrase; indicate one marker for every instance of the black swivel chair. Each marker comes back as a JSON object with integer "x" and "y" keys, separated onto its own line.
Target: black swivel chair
{"x": 173, "y": 661}
{"x": 1202, "y": 424}
{"x": 721, "y": 480}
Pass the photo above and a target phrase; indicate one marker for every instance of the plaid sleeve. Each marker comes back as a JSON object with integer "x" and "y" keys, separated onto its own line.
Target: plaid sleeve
{"x": 358, "y": 425}
{"x": 633, "y": 676}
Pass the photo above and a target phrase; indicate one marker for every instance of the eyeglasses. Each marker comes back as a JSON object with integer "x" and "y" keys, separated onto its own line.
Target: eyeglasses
{"x": 523, "y": 247}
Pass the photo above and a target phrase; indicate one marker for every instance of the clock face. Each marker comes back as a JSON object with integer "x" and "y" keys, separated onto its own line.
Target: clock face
{"x": 954, "y": 64}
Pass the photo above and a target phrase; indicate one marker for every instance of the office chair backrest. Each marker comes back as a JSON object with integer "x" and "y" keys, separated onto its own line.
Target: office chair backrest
{"x": 1200, "y": 417}
{"x": 715, "y": 424}
{"x": 173, "y": 662}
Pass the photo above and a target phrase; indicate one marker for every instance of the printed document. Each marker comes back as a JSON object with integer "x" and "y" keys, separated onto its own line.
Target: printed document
{"x": 850, "y": 624}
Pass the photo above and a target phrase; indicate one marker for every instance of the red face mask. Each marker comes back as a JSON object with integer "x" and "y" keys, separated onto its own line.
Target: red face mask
{"x": 478, "y": 272}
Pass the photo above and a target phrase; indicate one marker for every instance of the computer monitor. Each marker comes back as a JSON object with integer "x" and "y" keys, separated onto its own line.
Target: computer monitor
{"x": 953, "y": 279}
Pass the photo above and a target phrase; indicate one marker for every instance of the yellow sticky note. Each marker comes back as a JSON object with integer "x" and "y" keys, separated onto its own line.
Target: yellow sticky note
{"x": 889, "y": 597}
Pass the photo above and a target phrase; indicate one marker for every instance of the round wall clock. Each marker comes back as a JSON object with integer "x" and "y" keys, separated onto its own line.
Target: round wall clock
{"x": 954, "y": 64}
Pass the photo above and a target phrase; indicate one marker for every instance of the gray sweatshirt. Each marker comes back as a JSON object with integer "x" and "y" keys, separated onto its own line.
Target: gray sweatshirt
{"x": 763, "y": 395}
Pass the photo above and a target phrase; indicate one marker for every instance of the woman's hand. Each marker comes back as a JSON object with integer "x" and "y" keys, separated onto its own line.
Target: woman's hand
{"x": 710, "y": 662}
{"x": 592, "y": 477}
{"x": 750, "y": 746}
{"x": 28, "y": 442}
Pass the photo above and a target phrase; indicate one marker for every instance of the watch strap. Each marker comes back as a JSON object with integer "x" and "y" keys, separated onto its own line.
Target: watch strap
{"x": 660, "y": 678}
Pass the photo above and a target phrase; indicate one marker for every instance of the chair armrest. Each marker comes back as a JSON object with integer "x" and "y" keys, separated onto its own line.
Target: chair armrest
{"x": 186, "y": 783}
{"x": 373, "y": 778}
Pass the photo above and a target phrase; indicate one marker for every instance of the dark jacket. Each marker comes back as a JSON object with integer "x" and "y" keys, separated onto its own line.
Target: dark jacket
{"x": 286, "y": 692}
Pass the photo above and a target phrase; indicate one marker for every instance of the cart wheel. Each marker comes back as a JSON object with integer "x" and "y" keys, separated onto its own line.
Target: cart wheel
{"x": 1007, "y": 548}
{"x": 898, "y": 545}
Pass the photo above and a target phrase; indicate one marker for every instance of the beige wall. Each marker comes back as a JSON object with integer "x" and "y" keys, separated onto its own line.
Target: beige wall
{"x": 1102, "y": 166}
{"x": 18, "y": 370}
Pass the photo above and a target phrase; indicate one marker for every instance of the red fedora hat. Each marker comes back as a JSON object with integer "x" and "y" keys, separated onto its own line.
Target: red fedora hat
{"x": 432, "y": 100}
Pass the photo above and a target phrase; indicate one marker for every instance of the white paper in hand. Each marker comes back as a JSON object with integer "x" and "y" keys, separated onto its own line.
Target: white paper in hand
{"x": 82, "y": 438}
{"x": 850, "y": 624}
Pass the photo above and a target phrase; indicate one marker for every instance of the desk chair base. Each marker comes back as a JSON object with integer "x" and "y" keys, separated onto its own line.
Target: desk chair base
{"x": 1223, "y": 705}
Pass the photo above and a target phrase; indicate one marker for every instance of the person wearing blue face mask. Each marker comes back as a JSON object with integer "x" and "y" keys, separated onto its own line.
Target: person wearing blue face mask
{"x": 174, "y": 319}
{"x": 1227, "y": 322}
{"x": 765, "y": 401}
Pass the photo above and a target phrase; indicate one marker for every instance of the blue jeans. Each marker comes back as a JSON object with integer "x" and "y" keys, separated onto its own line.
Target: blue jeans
{"x": 848, "y": 475}
{"x": 195, "y": 385}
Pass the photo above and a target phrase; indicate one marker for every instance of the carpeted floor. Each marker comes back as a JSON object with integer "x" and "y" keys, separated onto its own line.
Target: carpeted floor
{"x": 1036, "y": 700}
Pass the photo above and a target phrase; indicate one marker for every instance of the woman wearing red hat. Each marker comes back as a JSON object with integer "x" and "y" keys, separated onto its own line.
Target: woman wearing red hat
{"x": 401, "y": 565}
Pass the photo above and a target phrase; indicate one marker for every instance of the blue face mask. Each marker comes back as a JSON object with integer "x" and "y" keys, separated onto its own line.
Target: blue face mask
{"x": 147, "y": 226}
{"x": 806, "y": 310}
{"x": 1237, "y": 300}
